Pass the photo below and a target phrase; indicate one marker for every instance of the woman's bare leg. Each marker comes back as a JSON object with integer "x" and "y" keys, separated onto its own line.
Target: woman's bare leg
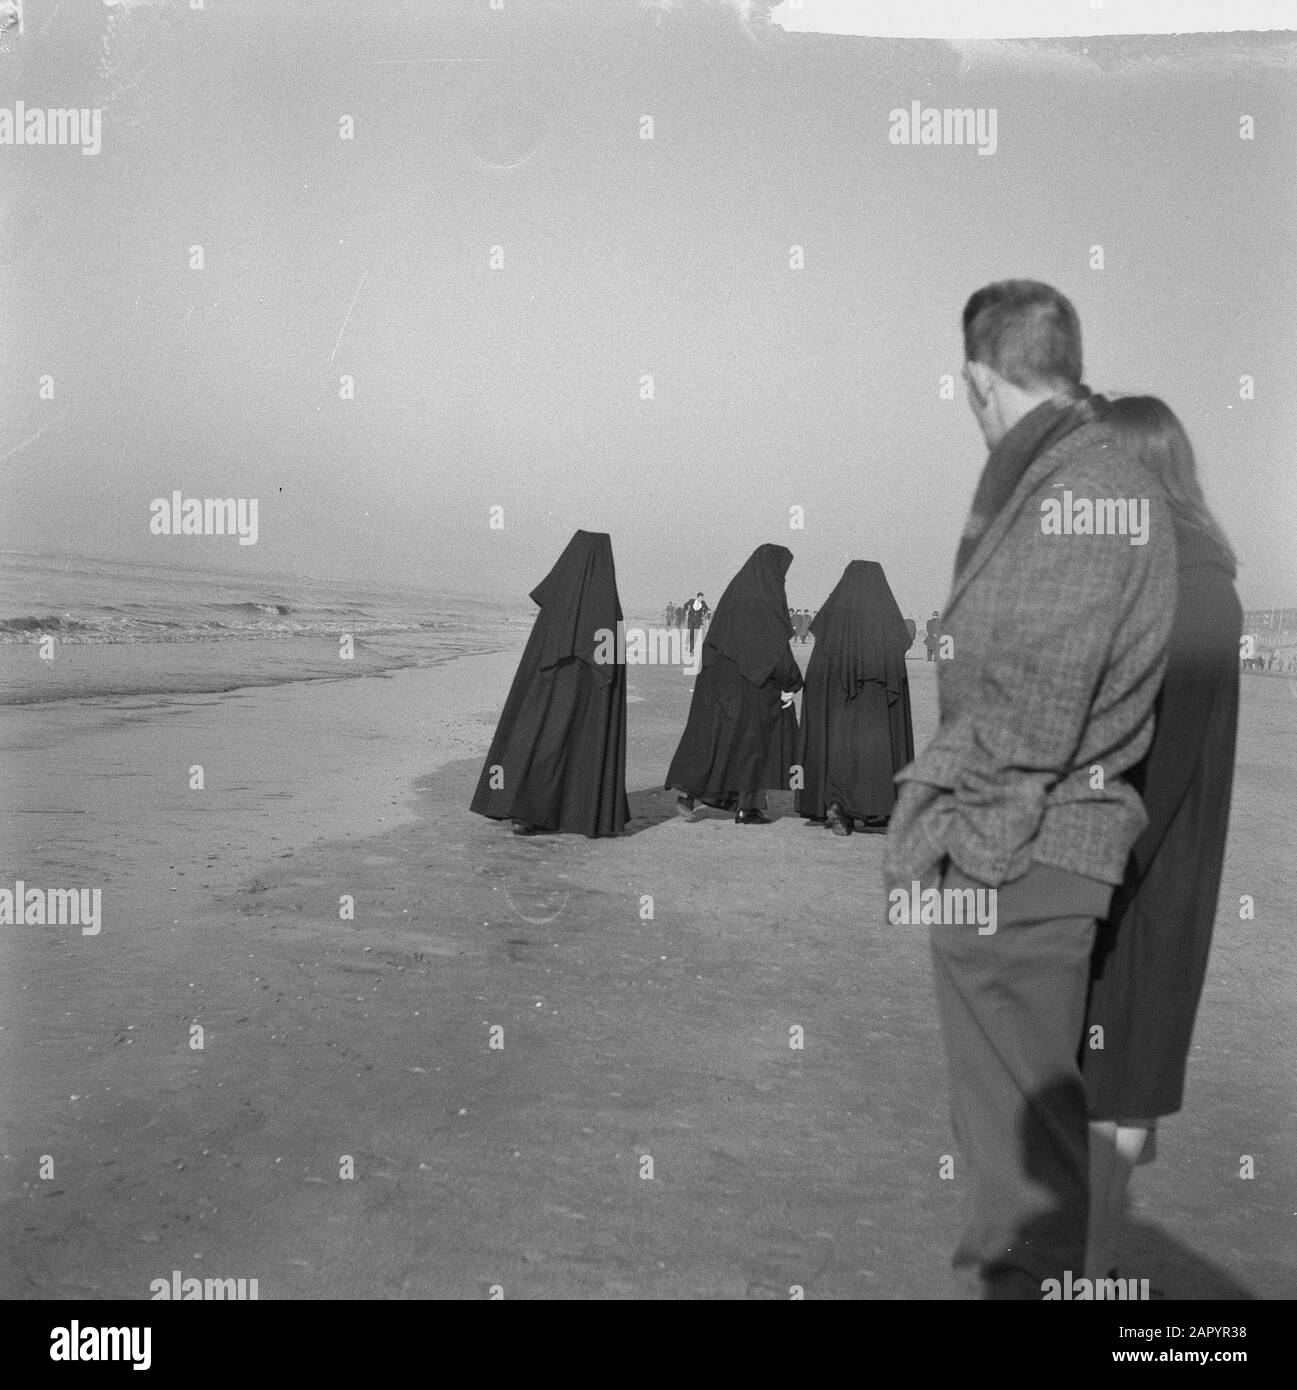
{"x": 1115, "y": 1150}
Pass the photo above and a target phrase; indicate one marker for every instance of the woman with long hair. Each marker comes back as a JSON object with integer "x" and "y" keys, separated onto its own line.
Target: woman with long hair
{"x": 1150, "y": 957}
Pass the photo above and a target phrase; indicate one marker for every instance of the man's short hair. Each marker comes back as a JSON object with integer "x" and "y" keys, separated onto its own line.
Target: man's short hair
{"x": 1026, "y": 331}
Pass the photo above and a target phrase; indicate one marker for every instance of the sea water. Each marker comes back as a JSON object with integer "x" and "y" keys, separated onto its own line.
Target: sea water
{"x": 123, "y": 628}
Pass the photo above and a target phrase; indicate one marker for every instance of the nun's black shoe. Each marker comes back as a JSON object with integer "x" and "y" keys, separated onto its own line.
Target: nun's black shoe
{"x": 874, "y": 825}
{"x": 836, "y": 821}
{"x": 753, "y": 817}
{"x": 684, "y": 804}
{"x": 522, "y": 827}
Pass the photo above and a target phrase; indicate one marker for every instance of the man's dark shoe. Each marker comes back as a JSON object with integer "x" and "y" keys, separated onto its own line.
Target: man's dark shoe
{"x": 753, "y": 817}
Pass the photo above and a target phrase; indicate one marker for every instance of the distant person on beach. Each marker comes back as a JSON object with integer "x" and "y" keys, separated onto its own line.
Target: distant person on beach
{"x": 856, "y": 733}
{"x": 741, "y": 734}
{"x": 1059, "y": 648}
{"x": 1150, "y": 959}
{"x": 671, "y": 615}
{"x": 932, "y": 640}
{"x": 801, "y": 624}
{"x": 695, "y": 613}
{"x": 558, "y": 758}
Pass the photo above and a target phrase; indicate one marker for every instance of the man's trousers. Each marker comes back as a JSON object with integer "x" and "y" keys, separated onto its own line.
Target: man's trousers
{"x": 1012, "y": 1007}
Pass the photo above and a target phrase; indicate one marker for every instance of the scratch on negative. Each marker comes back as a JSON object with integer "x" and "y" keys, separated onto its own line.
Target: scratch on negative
{"x": 346, "y": 320}
{"x": 31, "y": 439}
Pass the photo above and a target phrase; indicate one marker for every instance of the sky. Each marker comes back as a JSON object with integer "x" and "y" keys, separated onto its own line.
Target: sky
{"x": 957, "y": 19}
{"x": 779, "y": 380}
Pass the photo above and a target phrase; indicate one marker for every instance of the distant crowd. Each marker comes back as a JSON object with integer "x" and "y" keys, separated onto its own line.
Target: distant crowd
{"x": 1269, "y": 661}
{"x": 696, "y": 614}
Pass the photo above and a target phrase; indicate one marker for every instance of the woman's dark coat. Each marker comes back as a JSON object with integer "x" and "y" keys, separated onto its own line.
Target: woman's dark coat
{"x": 1151, "y": 955}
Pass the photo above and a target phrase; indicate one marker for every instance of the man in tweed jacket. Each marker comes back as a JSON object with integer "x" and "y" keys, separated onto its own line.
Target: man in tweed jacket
{"x": 1059, "y": 614}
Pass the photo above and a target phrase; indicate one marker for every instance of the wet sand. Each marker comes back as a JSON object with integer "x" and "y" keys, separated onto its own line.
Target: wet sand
{"x": 624, "y": 1037}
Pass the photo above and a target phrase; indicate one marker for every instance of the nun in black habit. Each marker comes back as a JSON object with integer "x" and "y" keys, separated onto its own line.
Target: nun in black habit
{"x": 558, "y": 759}
{"x": 741, "y": 734}
{"x": 856, "y": 733}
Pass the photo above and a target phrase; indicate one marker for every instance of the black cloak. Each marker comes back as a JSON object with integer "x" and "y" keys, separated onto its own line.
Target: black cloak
{"x": 738, "y": 737}
{"x": 856, "y": 733}
{"x": 560, "y": 747}
{"x": 1150, "y": 957}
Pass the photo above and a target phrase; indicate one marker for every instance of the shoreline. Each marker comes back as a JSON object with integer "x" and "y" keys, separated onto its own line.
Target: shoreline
{"x": 92, "y": 672}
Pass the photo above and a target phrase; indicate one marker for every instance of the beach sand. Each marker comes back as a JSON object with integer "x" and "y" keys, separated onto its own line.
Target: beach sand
{"x": 625, "y": 1037}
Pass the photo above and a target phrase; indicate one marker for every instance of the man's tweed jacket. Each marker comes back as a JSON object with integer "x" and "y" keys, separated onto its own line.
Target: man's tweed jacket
{"x": 1059, "y": 646}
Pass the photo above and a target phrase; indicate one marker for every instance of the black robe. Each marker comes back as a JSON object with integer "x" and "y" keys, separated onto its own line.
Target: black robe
{"x": 856, "y": 733}
{"x": 738, "y": 738}
{"x": 1151, "y": 955}
{"x": 560, "y": 747}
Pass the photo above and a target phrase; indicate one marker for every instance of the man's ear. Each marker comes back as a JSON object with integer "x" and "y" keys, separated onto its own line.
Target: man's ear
{"x": 979, "y": 378}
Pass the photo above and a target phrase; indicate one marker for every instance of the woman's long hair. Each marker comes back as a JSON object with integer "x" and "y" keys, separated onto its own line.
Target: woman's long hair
{"x": 1153, "y": 431}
